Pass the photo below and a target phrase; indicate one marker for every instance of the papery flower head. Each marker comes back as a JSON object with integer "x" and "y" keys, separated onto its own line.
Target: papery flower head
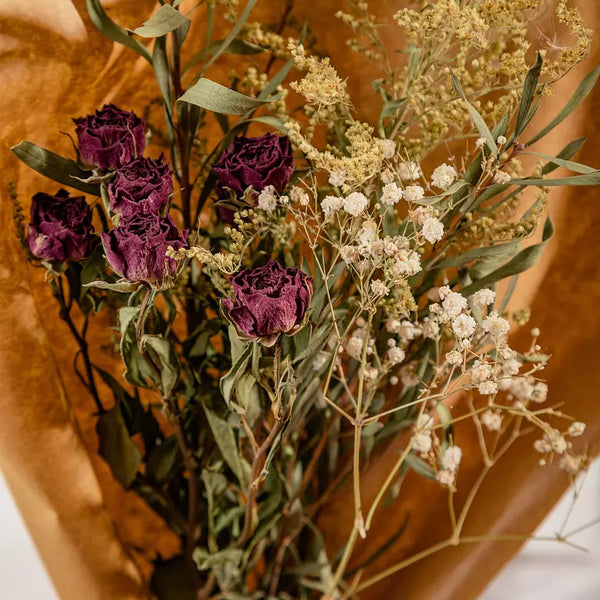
{"x": 111, "y": 137}
{"x": 137, "y": 249}
{"x": 143, "y": 186}
{"x": 61, "y": 227}
{"x": 255, "y": 162}
{"x": 269, "y": 301}
{"x": 443, "y": 176}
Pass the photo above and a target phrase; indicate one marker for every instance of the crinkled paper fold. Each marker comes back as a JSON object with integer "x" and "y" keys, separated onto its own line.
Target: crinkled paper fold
{"x": 96, "y": 540}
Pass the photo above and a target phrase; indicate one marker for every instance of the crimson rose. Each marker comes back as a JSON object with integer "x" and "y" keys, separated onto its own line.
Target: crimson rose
{"x": 111, "y": 137}
{"x": 269, "y": 301}
{"x": 61, "y": 227}
{"x": 257, "y": 162}
{"x": 142, "y": 186}
{"x": 137, "y": 248}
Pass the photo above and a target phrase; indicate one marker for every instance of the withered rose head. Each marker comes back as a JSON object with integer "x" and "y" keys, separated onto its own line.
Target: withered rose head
{"x": 269, "y": 301}
{"x": 111, "y": 137}
{"x": 254, "y": 161}
{"x": 137, "y": 248}
{"x": 143, "y": 186}
{"x": 61, "y": 227}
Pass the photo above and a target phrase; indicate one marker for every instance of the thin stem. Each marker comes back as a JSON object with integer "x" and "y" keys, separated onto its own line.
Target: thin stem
{"x": 65, "y": 315}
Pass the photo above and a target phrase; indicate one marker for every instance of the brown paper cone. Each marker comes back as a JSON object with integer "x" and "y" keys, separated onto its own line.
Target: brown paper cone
{"x": 96, "y": 540}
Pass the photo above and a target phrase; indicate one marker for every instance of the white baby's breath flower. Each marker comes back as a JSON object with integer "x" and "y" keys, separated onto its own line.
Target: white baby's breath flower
{"x": 349, "y": 254}
{"x": 379, "y": 288}
{"x": 576, "y": 429}
{"x": 454, "y": 357}
{"x": 354, "y": 347}
{"x": 451, "y": 458}
{"x": 483, "y": 297}
{"x": 481, "y": 371}
{"x": 480, "y": 142}
{"x": 557, "y": 441}
{"x": 464, "y": 326}
{"x": 408, "y": 331}
{"x": 391, "y": 194}
{"x": 355, "y": 203}
{"x": 501, "y": 140}
{"x": 542, "y": 446}
{"x": 299, "y": 196}
{"x": 388, "y": 147}
{"x": 572, "y": 463}
{"x": 511, "y": 367}
{"x": 387, "y": 176}
{"x": 487, "y": 388}
{"x": 371, "y": 373}
{"x": 393, "y": 325}
{"x": 453, "y": 304}
{"x": 491, "y": 420}
{"x": 393, "y": 380}
{"x": 445, "y": 477}
{"x": 406, "y": 264}
{"x": 540, "y": 392}
{"x": 443, "y": 176}
{"x": 496, "y": 326}
{"x": 331, "y": 204}
{"x": 408, "y": 376}
{"x": 337, "y": 178}
{"x": 431, "y": 328}
{"x": 413, "y": 193}
{"x": 433, "y": 230}
{"x": 409, "y": 171}
{"x": 267, "y": 200}
{"x": 396, "y": 355}
{"x": 422, "y": 443}
{"x": 502, "y": 178}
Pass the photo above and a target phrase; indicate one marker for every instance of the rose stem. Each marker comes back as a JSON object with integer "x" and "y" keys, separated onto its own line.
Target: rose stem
{"x": 65, "y": 315}
{"x": 257, "y": 463}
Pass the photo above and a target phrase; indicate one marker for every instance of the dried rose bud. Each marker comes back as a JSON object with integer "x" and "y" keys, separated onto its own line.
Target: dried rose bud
{"x": 61, "y": 227}
{"x": 269, "y": 301}
{"x": 137, "y": 248}
{"x": 142, "y": 186}
{"x": 257, "y": 162}
{"x": 111, "y": 137}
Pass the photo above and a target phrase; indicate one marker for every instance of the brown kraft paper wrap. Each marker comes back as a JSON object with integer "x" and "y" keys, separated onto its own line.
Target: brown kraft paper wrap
{"x": 96, "y": 540}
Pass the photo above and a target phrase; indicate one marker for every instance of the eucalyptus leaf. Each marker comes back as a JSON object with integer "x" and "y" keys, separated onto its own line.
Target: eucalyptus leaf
{"x": 589, "y": 179}
{"x": 53, "y": 166}
{"x": 228, "y": 381}
{"x": 123, "y": 287}
{"x": 117, "y": 447}
{"x": 113, "y": 31}
{"x": 568, "y": 164}
{"x": 524, "y": 260}
{"x": 240, "y": 21}
{"x": 213, "y": 96}
{"x": 226, "y": 441}
{"x": 165, "y": 20}
{"x": 162, "y": 459}
{"x": 164, "y": 355}
{"x": 584, "y": 88}
{"x": 419, "y": 466}
{"x": 477, "y": 119}
{"x": 529, "y": 89}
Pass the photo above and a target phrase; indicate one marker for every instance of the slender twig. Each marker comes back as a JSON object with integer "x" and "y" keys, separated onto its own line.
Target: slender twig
{"x": 65, "y": 315}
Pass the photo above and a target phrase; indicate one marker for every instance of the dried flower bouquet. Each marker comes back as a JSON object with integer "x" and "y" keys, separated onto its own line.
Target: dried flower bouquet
{"x": 289, "y": 302}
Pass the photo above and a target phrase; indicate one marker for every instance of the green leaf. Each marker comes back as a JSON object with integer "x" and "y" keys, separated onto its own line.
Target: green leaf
{"x": 113, "y": 31}
{"x": 237, "y": 46}
{"x": 160, "y": 65}
{"x": 276, "y": 81}
{"x": 62, "y": 170}
{"x": 123, "y": 287}
{"x": 419, "y": 466}
{"x": 228, "y": 381}
{"x": 161, "y": 351}
{"x": 226, "y": 441}
{"x": 509, "y": 248}
{"x": 217, "y": 98}
{"x": 117, "y": 448}
{"x": 165, "y": 20}
{"x": 568, "y": 164}
{"x": 477, "y": 119}
{"x": 567, "y": 152}
{"x": 232, "y": 34}
{"x": 588, "y": 179}
{"x": 585, "y": 87}
{"x": 162, "y": 459}
{"x": 529, "y": 90}
{"x": 521, "y": 262}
